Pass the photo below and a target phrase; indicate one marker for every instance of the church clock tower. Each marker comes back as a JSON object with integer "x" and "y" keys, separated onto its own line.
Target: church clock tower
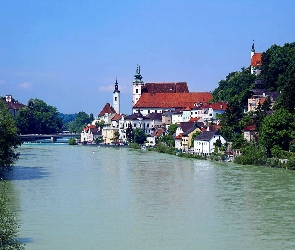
{"x": 137, "y": 86}
{"x": 116, "y": 98}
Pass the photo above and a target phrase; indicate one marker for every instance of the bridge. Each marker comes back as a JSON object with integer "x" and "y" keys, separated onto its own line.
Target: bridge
{"x": 52, "y": 137}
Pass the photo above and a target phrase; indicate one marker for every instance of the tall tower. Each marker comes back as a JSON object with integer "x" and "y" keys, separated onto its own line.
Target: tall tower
{"x": 137, "y": 86}
{"x": 116, "y": 98}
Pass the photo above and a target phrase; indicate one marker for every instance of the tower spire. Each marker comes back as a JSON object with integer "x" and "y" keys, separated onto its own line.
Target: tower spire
{"x": 253, "y": 49}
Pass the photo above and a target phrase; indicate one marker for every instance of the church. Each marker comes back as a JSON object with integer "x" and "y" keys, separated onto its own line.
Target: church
{"x": 158, "y": 97}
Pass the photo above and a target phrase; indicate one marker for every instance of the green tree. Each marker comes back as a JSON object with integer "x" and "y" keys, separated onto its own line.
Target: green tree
{"x": 100, "y": 124}
{"x": 9, "y": 140}
{"x": 231, "y": 121}
{"x": 130, "y": 133}
{"x": 277, "y": 63}
{"x": 261, "y": 112}
{"x": 80, "y": 122}
{"x": 236, "y": 87}
{"x": 8, "y": 224}
{"x": 172, "y": 128}
{"x": 116, "y": 137}
{"x": 139, "y": 136}
{"x": 277, "y": 129}
{"x": 287, "y": 98}
{"x": 38, "y": 118}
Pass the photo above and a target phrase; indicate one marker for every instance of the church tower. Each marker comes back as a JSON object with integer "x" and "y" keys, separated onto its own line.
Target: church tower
{"x": 116, "y": 98}
{"x": 137, "y": 86}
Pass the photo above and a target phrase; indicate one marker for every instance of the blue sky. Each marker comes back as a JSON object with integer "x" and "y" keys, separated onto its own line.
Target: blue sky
{"x": 69, "y": 53}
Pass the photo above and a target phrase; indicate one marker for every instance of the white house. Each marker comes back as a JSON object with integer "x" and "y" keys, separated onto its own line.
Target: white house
{"x": 90, "y": 133}
{"x": 204, "y": 142}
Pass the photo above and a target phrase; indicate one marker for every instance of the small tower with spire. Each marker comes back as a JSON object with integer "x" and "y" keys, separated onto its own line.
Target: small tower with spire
{"x": 137, "y": 86}
{"x": 116, "y": 98}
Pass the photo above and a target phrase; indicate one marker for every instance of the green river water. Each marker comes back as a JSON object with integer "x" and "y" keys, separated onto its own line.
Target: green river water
{"x": 76, "y": 197}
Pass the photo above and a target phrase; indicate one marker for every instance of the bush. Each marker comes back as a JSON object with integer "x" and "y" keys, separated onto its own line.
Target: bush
{"x": 291, "y": 163}
{"x": 252, "y": 155}
{"x": 134, "y": 145}
{"x": 8, "y": 224}
{"x": 72, "y": 141}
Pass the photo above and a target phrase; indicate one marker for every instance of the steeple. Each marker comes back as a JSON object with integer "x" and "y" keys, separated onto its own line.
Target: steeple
{"x": 116, "y": 98}
{"x": 137, "y": 86}
{"x": 137, "y": 75}
{"x": 116, "y": 87}
{"x": 253, "y": 49}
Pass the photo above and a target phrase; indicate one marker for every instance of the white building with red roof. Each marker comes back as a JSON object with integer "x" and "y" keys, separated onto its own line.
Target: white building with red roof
{"x": 157, "y": 97}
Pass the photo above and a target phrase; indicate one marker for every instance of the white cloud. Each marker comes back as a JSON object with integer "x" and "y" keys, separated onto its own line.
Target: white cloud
{"x": 109, "y": 88}
{"x": 25, "y": 85}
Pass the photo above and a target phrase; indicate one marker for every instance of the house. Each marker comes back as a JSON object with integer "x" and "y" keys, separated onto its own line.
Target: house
{"x": 250, "y": 133}
{"x": 183, "y": 135}
{"x": 108, "y": 134}
{"x": 153, "y": 138}
{"x": 210, "y": 112}
{"x": 167, "y": 117}
{"x": 90, "y": 133}
{"x": 106, "y": 114}
{"x": 13, "y": 105}
{"x": 259, "y": 95}
{"x": 204, "y": 142}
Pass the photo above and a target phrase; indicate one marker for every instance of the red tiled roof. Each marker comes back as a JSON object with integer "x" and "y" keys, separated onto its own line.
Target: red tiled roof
{"x": 107, "y": 109}
{"x": 250, "y": 128}
{"x": 216, "y": 106}
{"x": 14, "y": 105}
{"x": 172, "y": 100}
{"x": 159, "y": 132}
{"x": 116, "y": 117}
{"x": 256, "y": 59}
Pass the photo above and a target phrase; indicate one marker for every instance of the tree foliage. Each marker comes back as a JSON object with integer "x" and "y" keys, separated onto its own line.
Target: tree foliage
{"x": 277, "y": 63}
{"x": 277, "y": 129}
{"x": 129, "y": 133}
{"x": 80, "y": 122}
{"x": 8, "y": 224}
{"x": 236, "y": 87}
{"x": 9, "y": 139}
{"x": 38, "y": 118}
{"x": 139, "y": 136}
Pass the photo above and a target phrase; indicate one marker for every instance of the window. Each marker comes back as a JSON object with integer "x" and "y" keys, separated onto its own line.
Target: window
{"x": 115, "y": 98}
{"x": 136, "y": 91}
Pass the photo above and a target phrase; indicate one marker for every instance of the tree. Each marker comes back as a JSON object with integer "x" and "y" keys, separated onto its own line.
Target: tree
{"x": 129, "y": 133}
{"x": 231, "y": 120}
{"x": 9, "y": 140}
{"x": 236, "y": 87}
{"x": 8, "y": 224}
{"x": 277, "y": 129}
{"x": 277, "y": 63}
{"x": 287, "y": 98}
{"x": 172, "y": 128}
{"x": 261, "y": 112}
{"x": 80, "y": 122}
{"x": 139, "y": 136}
{"x": 38, "y": 118}
{"x": 116, "y": 137}
{"x": 100, "y": 124}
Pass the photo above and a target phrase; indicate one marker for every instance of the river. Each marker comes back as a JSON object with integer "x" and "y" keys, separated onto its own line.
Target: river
{"x": 77, "y": 197}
